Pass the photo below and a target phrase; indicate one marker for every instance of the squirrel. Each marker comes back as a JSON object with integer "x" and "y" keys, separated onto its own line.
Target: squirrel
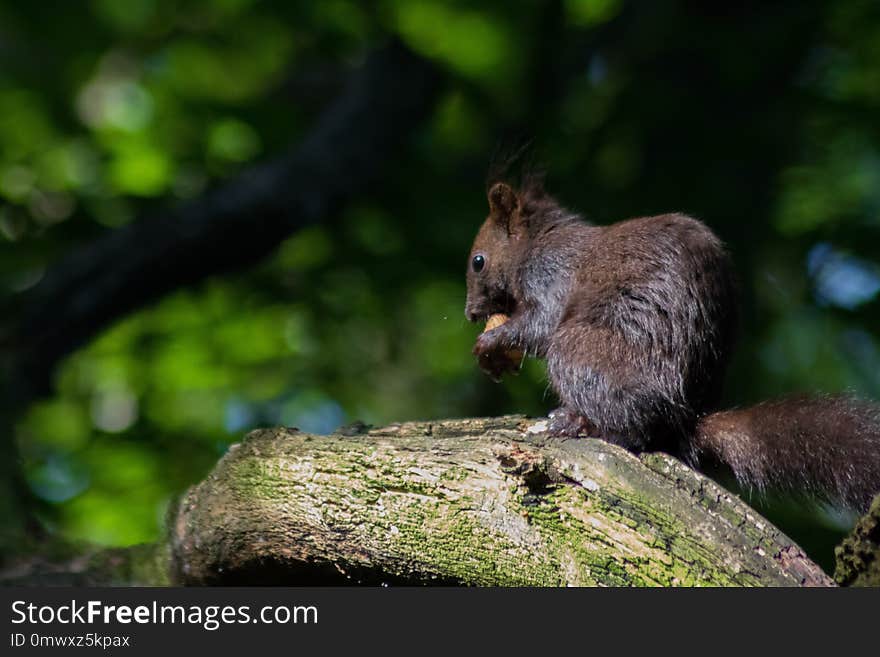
{"x": 636, "y": 321}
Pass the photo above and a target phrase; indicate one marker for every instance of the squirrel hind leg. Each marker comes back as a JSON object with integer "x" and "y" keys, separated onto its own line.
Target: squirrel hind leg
{"x": 568, "y": 422}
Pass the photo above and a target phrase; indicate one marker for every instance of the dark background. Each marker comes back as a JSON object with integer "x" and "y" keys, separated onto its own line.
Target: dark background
{"x": 760, "y": 118}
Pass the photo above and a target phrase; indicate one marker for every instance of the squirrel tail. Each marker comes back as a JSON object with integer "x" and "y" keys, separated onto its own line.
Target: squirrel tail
{"x": 826, "y": 447}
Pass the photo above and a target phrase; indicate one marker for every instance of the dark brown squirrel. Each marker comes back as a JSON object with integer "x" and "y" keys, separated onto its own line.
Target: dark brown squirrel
{"x": 636, "y": 321}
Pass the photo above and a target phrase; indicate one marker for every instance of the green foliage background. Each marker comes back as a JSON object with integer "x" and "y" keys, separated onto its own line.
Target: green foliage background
{"x": 761, "y": 120}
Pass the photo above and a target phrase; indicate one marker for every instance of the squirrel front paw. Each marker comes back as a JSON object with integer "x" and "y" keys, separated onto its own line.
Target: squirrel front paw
{"x": 493, "y": 357}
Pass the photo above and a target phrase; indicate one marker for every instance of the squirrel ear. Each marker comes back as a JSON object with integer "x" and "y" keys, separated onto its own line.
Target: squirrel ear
{"x": 502, "y": 202}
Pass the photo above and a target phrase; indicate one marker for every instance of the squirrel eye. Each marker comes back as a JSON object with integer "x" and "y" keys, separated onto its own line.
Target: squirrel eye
{"x": 478, "y": 263}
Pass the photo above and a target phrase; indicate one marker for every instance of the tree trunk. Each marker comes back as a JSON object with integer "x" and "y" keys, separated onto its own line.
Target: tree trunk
{"x": 478, "y": 502}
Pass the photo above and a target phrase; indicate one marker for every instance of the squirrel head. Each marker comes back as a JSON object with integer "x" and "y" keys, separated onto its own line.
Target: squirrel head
{"x": 491, "y": 267}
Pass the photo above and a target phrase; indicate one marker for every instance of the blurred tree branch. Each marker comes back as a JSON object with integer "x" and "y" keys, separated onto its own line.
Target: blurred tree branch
{"x": 234, "y": 225}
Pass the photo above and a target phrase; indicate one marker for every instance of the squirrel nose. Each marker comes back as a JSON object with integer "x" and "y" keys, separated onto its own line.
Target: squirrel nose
{"x": 470, "y": 315}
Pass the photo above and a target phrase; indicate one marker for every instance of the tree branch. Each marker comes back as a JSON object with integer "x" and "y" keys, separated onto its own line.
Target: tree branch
{"x": 479, "y": 502}
{"x": 233, "y": 226}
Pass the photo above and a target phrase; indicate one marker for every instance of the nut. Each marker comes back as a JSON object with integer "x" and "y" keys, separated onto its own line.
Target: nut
{"x": 495, "y": 321}
{"x": 515, "y": 356}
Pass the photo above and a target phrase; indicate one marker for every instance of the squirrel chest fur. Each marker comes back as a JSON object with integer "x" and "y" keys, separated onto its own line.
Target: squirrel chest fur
{"x": 636, "y": 321}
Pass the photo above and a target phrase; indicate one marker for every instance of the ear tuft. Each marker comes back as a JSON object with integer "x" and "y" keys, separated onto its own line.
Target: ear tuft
{"x": 502, "y": 201}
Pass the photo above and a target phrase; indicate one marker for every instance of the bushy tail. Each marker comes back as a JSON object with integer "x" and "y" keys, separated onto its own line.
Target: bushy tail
{"x": 825, "y": 447}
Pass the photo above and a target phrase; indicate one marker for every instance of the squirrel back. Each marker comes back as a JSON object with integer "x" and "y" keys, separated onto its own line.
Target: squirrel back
{"x": 637, "y": 321}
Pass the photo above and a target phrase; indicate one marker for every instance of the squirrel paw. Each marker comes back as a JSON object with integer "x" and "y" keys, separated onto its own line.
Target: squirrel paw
{"x": 492, "y": 357}
{"x": 566, "y": 422}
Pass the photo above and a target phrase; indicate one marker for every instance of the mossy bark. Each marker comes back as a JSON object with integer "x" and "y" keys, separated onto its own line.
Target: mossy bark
{"x": 477, "y": 502}
{"x": 64, "y": 564}
{"x": 858, "y": 557}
